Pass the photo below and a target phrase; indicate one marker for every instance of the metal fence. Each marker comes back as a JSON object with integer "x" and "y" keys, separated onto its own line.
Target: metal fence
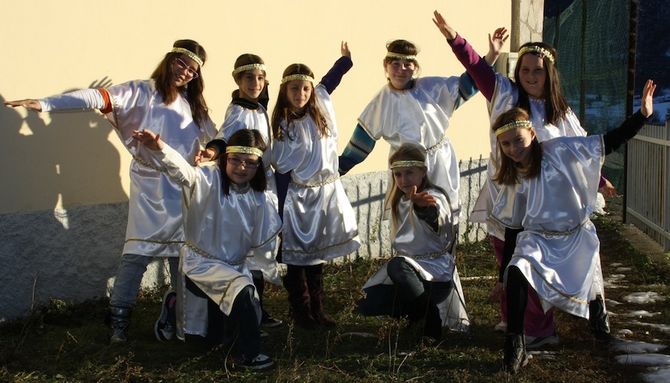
{"x": 647, "y": 185}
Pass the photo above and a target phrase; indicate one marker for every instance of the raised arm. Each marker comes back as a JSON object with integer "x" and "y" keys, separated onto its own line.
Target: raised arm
{"x": 332, "y": 79}
{"x": 176, "y": 166}
{"x": 629, "y": 128}
{"x": 359, "y": 147}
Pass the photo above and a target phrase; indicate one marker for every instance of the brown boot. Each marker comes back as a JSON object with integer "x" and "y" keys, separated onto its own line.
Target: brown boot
{"x": 298, "y": 297}
{"x": 314, "y": 276}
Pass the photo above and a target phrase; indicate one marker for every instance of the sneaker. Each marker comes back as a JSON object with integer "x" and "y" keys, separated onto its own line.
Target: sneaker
{"x": 535, "y": 342}
{"x": 270, "y": 322}
{"x": 166, "y": 325}
{"x": 500, "y": 327}
{"x": 259, "y": 363}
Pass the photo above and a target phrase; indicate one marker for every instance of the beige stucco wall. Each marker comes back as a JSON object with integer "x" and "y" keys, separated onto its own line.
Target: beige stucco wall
{"x": 66, "y": 160}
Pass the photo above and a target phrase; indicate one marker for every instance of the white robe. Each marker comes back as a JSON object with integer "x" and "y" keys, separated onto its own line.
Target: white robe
{"x": 319, "y": 222}
{"x": 558, "y": 251}
{"x": 220, "y": 231}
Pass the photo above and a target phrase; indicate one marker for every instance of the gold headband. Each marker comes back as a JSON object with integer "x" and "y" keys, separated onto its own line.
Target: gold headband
{"x": 400, "y": 56}
{"x": 190, "y": 55}
{"x": 537, "y": 49}
{"x": 244, "y": 150}
{"x": 302, "y": 77}
{"x": 247, "y": 67}
{"x": 406, "y": 164}
{"x": 514, "y": 125}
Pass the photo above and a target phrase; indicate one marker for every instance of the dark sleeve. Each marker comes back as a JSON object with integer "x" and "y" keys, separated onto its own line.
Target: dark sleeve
{"x": 357, "y": 150}
{"x": 477, "y": 68}
{"x": 627, "y": 130}
{"x": 217, "y": 144}
{"x": 332, "y": 79}
{"x": 508, "y": 249}
{"x": 282, "y": 180}
{"x": 428, "y": 214}
{"x": 466, "y": 89}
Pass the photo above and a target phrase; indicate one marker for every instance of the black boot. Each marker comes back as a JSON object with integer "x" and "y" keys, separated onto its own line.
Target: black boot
{"x": 515, "y": 355}
{"x": 314, "y": 278}
{"x": 598, "y": 320}
{"x": 119, "y": 321}
{"x": 298, "y": 297}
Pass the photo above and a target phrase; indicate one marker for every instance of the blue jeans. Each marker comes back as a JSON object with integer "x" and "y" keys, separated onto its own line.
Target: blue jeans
{"x": 129, "y": 278}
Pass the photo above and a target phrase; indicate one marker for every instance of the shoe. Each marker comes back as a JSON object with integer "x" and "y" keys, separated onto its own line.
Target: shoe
{"x": 166, "y": 324}
{"x": 515, "y": 355}
{"x": 119, "y": 318}
{"x": 535, "y": 342}
{"x": 270, "y": 322}
{"x": 501, "y": 326}
{"x": 259, "y": 363}
{"x": 599, "y": 321}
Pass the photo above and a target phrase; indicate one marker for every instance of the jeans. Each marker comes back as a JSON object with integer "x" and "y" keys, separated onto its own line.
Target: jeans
{"x": 129, "y": 278}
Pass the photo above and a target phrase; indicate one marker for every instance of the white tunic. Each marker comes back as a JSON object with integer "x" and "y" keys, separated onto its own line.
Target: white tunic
{"x": 558, "y": 251}
{"x": 219, "y": 232}
{"x": 319, "y": 222}
{"x": 154, "y": 205}
{"x": 419, "y": 116}
{"x": 427, "y": 251}
{"x": 238, "y": 118}
{"x": 505, "y": 97}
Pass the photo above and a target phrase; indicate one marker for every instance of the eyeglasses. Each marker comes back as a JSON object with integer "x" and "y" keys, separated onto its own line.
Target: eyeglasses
{"x": 183, "y": 66}
{"x": 249, "y": 164}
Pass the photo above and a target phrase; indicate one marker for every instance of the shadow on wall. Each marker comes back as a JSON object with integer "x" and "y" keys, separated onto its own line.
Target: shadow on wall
{"x": 47, "y": 241}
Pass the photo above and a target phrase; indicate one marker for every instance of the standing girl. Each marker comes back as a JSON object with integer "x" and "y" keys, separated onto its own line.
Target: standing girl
{"x": 419, "y": 277}
{"x": 170, "y": 104}
{"x": 319, "y": 222}
{"x": 226, "y": 216}
{"x": 548, "y": 191}
{"x": 248, "y": 110}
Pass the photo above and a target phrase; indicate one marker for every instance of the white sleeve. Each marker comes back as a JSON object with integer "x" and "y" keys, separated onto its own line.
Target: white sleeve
{"x": 84, "y": 99}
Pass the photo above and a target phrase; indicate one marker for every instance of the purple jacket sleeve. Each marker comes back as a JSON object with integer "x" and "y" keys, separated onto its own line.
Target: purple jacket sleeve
{"x": 477, "y": 68}
{"x": 332, "y": 79}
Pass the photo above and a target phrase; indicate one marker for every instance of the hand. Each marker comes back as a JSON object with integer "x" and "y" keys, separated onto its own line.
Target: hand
{"x": 149, "y": 139}
{"x": 647, "y": 100}
{"x": 344, "y": 49}
{"x": 496, "y": 42}
{"x": 441, "y": 24}
{"x": 104, "y": 82}
{"x": 608, "y": 190}
{"x": 205, "y": 155}
{"x": 28, "y": 103}
{"x": 497, "y": 293}
{"x": 423, "y": 199}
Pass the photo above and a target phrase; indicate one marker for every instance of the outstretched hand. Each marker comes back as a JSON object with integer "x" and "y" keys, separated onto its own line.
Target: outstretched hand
{"x": 647, "y": 100}
{"x": 344, "y": 49}
{"x": 496, "y": 42}
{"x": 422, "y": 199}
{"x": 608, "y": 190}
{"x": 28, "y": 103}
{"x": 441, "y": 24}
{"x": 149, "y": 139}
{"x": 205, "y": 155}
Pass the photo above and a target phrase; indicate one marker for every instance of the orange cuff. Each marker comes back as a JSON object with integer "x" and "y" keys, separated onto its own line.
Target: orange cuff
{"x": 106, "y": 99}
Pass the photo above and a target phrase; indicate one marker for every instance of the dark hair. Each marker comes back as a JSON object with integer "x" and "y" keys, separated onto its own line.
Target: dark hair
{"x": 251, "y": 138}
{"x": 246, "y": 59}
{"x": 403, "y": 47}
{"x": 555, "y": 105}
{"x": 406, "y": 152}
{"x": 282, "y": 110}
{"x": 162, "y": 76}
{"x": 508, "y": 171}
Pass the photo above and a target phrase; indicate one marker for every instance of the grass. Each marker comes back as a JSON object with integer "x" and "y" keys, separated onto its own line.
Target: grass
{"x": 68, "y": 342}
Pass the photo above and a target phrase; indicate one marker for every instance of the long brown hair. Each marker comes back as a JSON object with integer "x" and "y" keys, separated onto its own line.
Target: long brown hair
{"x": 508, "y": 171}
{"x": 246, "y": 59}
{"x": 282, "y": 111}
{"x": 555, "y": 105}
{"x": 251, "y": 138}
{"x": 406, "y": 152}
{"x": 162, "y": 76}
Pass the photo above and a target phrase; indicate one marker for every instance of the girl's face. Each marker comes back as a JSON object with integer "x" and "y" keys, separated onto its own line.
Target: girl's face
{"x": 516, "y": 144}
{"x": 298, "y": 93}
{"x": 241, "y": 168}
{"x": 532, "y": 75}
{"x": 400, "y": 73}
{"x": 406, "y": 178}
{"x": 184, "y": 69}
{"x": 251, "y": 84}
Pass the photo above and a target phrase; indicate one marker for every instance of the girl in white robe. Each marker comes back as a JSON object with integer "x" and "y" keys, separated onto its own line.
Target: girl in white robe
{"x": 417, "y": 281}
{"x": 226, "y": 216}
{"x": 170, "y": 104}
{"x": 319, "y": 222}
{"x": 548, "y": 191}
